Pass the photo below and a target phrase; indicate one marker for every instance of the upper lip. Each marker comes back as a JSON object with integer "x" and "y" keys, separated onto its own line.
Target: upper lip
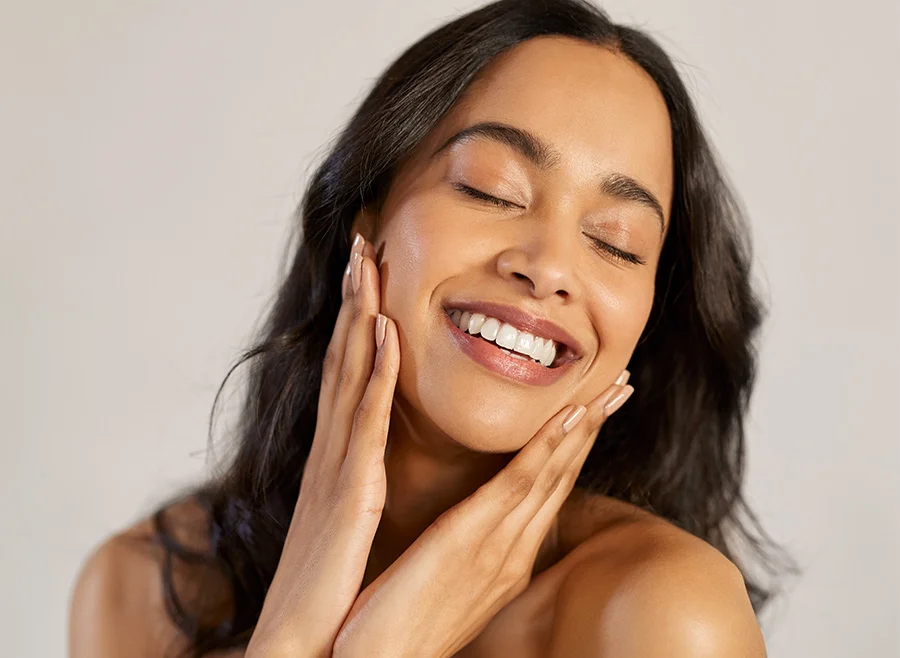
{"x": 521, "y": 320}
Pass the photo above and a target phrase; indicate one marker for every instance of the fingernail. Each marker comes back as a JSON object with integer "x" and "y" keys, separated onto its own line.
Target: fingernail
{"x": 573, "y": 417}
{"x": 345, "y": 280}
{"x": 380, "y": 326}
{"x": 356, "y": 271}
{"x": 358, "y": 241}
{"x": 613, "y": 405}
{"x": 623, "y": 378}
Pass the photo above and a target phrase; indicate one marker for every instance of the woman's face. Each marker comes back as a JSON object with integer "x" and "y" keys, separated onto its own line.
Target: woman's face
{"x": 570, "y": 253}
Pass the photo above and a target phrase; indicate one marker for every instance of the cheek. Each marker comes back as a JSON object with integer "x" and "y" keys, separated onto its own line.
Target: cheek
{"x": 621, "y": 312}
{"x": 411, "y": 260}
{"x": 422, "y": 242}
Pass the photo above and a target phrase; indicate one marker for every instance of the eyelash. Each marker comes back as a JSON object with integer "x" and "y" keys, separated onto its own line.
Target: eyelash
{"x": 483, "y": 196}
{"x": 616, "y": 253}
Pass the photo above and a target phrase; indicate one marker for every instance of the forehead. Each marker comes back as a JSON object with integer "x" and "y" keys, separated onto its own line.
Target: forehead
{"x": 598, "y": 109}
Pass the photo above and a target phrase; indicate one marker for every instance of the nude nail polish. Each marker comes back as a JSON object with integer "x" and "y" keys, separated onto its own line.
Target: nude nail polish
{"x": 380, "y": 327}
{"x": 356, "y": 267}
{"x": 345, "y": 280}
{"x": 572, "y": 419}
{"x": 615, "y": 403}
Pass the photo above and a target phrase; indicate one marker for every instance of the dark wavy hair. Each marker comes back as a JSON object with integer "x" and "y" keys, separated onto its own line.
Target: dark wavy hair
{"x": 677, "y": 449}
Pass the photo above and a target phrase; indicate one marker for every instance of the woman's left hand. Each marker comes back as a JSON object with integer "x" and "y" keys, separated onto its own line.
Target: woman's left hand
{"x": 479, "y": 555}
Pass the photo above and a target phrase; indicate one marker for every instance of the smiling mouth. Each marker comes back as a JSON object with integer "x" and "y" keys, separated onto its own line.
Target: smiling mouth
{"x": 512, "y": 341}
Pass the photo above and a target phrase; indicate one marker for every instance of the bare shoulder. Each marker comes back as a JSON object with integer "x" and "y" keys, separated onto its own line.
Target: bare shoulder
{"x": 644, "y": 587}
{"x": 118, "y": 606}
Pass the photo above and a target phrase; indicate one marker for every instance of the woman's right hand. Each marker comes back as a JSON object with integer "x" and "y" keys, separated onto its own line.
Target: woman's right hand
{"x": 343, "y": 489}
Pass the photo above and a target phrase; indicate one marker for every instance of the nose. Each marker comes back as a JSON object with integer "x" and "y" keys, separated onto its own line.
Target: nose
{"x": 543, "y": 261}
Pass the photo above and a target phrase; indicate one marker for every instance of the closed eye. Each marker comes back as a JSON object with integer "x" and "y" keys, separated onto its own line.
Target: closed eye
{"x": 484, "y": 196}
{"x": 616, "y": 253}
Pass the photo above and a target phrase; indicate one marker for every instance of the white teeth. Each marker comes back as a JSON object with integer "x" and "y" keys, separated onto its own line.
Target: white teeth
{"x": 509, "y": 339}
{"x": 549, "y": 355}
{"x": 537, "y": 349}
{"x": 524, "y": 343}
{"x": 475, "y": 323}
{"x": 464, "y": 320}
{"x": 506, "y": 337}
{"x": 490, "y": 328}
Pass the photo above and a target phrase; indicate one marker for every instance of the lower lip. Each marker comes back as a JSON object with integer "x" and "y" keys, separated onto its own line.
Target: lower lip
{"x": 491, "y": 357}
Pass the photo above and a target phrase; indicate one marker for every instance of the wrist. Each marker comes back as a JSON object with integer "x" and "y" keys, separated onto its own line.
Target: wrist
{"x": 299, "y": 645}
{"x": 359, "y": 648}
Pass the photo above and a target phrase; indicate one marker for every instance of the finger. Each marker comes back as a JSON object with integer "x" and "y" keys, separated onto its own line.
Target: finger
{"x": 508, "y": 489}
{"x": 359, "y": 356}
{"x": 564, "y": 460}
{"x": 369, "y": 432}
{"x": 555, "y": 482}
{"x": 536, "y": 529}
{"x": 334, "y": 354}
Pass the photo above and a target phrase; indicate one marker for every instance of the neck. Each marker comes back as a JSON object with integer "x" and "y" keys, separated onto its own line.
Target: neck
{"x": 427, "y": 474}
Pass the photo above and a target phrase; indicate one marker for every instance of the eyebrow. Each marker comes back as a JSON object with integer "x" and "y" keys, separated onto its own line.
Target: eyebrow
{"x": 545, "y": 157}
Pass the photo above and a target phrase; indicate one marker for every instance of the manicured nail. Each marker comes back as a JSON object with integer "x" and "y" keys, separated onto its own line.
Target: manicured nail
{"x": 380, "y": 326}
{"x": 356, "y": 270}
{"x": 573, "y": 417}
{"x": 358, "y": 241}
{"x": 345, "y": 280}
{"x": 623, "y": 378}
{"x": 613, "y": 405}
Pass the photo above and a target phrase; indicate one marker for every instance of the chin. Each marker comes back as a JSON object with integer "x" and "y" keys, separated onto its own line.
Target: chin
{"x": 482, "y": 425}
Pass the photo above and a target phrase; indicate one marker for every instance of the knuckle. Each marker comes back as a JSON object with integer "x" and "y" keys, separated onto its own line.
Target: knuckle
{"x": 554, "y": 438}
{"x": 384, "y": 368}
{"x": 358, "y": 312}
{"x": 378, "y": 368}
{"x": 367, "y": 505}
{"x": 346, "y": 380}
{"x": 330, "y": 362}
{"x": 362, "y": 415}
{"x": 512, "y": 573}
{"x": 568, "y": 479}
{"x": 520, "y": 565}
{"x": 358, "y": 500}
{"x": 546, "y": 484}
{"x": 455, "y": 536}
{"x": 467, "y": 549}
{"x": 489, "y": 561}
{"x": 519, "y": 484}
{"x": 445, "y": 523}
{"x": 595, "y": 417}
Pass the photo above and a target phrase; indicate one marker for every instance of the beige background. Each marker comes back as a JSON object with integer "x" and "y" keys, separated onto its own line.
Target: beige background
{"x": 151, "y": 153}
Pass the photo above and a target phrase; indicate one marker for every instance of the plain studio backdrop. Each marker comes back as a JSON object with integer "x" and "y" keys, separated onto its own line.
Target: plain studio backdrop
{"x": 151, "y": 155}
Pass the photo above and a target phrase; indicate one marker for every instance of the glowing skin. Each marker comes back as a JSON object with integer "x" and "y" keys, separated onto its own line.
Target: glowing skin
{"x": 602, "y": 114}
{"x": 454, "y": 423}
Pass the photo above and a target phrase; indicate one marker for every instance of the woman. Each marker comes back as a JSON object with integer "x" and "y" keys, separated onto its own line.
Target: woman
{"x": 542, "y": 235}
